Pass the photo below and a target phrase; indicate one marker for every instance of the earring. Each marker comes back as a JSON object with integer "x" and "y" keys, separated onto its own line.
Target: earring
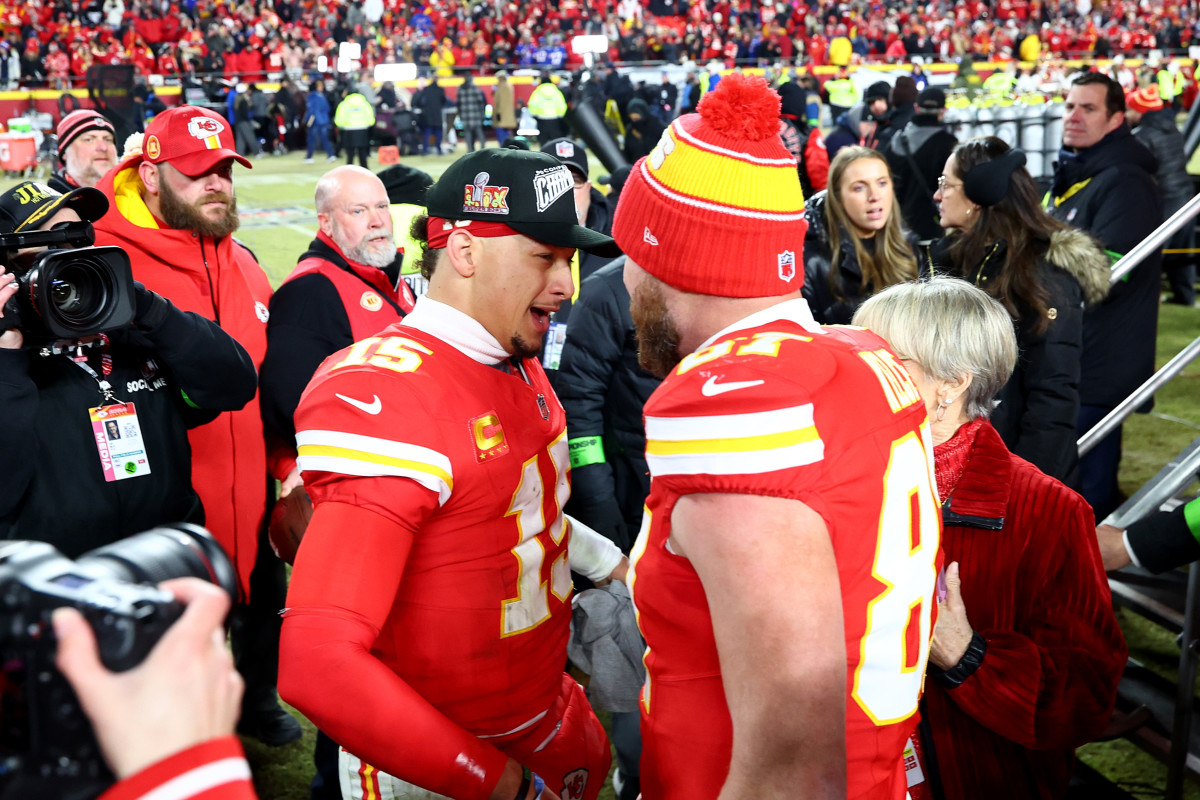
{"x": 941, "y": 409}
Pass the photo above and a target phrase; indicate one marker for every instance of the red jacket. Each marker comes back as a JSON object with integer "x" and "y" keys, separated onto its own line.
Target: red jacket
{"x": 1036, "y": 590}
{"x": 229, "y": 458}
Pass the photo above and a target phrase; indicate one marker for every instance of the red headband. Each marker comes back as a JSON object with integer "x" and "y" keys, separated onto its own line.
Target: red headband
{"x": 438, "y": 230}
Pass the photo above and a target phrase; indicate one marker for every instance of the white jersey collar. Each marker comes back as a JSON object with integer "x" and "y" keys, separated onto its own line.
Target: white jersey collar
{"x": 461, "y": 331}
{"x": 795, "y": 310}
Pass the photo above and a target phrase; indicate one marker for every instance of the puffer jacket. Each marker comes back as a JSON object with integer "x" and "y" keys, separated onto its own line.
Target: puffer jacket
{"x": 827, "y": 307}
{"x": 1162, "y": 136}
{"x": 1039, "y": 405}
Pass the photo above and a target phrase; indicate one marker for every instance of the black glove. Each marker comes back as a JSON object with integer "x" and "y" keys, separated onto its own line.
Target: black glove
{"x": 12, "y": 315}
{"x": 150, "y": 310}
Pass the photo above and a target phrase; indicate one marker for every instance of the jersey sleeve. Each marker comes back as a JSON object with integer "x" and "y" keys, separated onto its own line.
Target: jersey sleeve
{"x": 359, "y": 443}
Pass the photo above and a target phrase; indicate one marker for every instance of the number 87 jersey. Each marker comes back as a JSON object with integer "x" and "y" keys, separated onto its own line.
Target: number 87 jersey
{"x": 828, "y": 417}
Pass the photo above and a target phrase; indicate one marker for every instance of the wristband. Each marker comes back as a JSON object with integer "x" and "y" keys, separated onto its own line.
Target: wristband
{"x": 966, "y": 666}
{"x": 585, "y": 450}
{"x": 523, "y": 789}
{"x": 539, "y": 786}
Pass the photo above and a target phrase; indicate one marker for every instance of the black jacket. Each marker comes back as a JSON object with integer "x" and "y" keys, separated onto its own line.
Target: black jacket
{"x": 897, "y": 120}
{"x": 643, "y": 135}
{"x": 916, "y": 156}
{"x": 603, "y": 390}
{"x": 1159, "y": 133}
{"x": 429, "y": 103}
{"x": 599, "y": 219}
{"x": 1039, "y": 405}
{"x": 178, "y": 369}
{"x": 828, "y": 307}
{"x": 1109, "y": 191}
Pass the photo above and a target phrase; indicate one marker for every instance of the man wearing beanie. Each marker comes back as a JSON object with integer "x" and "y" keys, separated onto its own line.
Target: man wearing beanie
{"x": 916, "y": 156}
{"x": 1153, "y": 123}
{"x": 903, "y": 100}
{"x": 440, "y": 447}
{"x": 86, "y": 150}
{"x": 787, "y": 558}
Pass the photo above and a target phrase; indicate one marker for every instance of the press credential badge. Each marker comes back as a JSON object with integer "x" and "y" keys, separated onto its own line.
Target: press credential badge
{"x": 119, "y": 441}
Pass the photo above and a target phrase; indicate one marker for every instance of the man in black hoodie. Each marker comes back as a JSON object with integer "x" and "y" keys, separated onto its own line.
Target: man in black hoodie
{"x": 916, "y": 155}
{"x": 1104, "y": 184}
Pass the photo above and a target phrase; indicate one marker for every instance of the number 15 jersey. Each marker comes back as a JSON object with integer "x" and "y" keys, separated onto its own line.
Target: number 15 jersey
{"x": 828, "y": 417}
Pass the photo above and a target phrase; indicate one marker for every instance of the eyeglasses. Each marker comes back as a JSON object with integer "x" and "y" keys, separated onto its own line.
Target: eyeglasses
{"x": 944, "y": 184}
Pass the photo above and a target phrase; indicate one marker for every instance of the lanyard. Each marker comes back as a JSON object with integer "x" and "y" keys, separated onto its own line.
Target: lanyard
{"x": 106, "y": 367}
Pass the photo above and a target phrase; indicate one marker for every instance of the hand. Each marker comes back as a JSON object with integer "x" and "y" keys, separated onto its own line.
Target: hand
{"x": 510, "y": 781}
{"x": 184, "y": 693}
{"x": 10, "y": 338}
{"x": 1112, "y": 547}
{"x": 952, "y": 633}
{"x": 292, "y": 481}
{"x": 619, "y": 573}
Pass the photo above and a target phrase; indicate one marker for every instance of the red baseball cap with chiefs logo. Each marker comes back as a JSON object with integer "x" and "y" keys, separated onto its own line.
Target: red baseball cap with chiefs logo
{"x": 191, "y": 139}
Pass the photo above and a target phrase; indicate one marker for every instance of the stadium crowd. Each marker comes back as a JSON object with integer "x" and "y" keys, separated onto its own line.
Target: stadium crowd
{"x": 54, "y": 43}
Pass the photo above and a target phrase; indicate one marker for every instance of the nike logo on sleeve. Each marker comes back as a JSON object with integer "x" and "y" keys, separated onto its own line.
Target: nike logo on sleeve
{"x": 374, "y": 407}
{"x": 711, "y": 388}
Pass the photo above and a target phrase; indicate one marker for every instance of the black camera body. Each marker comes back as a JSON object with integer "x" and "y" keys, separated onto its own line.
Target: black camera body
{"x": 68, "y": 293}
{"x": 47, "y": 748}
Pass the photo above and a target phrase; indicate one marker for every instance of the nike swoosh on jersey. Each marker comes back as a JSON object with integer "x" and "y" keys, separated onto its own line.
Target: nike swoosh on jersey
{"x": 711, "y": 388}
{"x": 374, "y": 407}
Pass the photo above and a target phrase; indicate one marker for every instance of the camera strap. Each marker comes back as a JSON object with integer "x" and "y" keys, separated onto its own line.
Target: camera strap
{"x": 106, "y": 367}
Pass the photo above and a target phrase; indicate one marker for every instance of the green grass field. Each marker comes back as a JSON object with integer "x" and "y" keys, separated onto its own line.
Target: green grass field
{"x": 275, "y": 199}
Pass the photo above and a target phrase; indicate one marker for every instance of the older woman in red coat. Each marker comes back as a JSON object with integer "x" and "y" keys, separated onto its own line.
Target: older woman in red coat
{"x": 1026, "y": 653}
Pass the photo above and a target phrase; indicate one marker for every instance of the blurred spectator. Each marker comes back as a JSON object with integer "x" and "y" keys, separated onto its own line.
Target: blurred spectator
{"x": 642, "y": 132}
{"x": 1153, "y": 123}
{"x": 902, "y": 99}
{"x": 1104, "y": 184}
{"x": 244, "y": 127}
{"x": 86, "y": 149}
{"x": 429, "y": 102}
{"x": 802, "y": 140}
{"x": 317, "y": 121}
{"x": 354, "y": 118}
{"x": 549, "y": 106}
{"x": 855, "y": 244}
{"x": 916, "y": 155}
{"x": 855, "y": 126}
{"x": 504, "y": 115}
{"x": 472, "y": 110}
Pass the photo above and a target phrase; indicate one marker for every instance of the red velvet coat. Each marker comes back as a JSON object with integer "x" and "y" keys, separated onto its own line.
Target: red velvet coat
{"x": 1036, "y": 590}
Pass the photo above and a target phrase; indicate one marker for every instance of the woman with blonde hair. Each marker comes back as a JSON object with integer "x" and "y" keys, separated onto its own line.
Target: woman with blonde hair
{"x": 856, "y": 244}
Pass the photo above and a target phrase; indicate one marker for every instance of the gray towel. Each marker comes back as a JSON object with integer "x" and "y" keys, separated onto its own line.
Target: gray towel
{"x": 606, "y": 644}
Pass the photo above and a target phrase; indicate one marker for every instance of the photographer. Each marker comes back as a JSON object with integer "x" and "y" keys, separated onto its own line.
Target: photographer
{"x": 170, "y": 719}
{"x": 166, "y": 371}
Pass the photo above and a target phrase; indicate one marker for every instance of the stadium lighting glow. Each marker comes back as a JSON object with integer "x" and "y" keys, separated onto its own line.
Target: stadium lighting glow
{"x": 395, "y": 72}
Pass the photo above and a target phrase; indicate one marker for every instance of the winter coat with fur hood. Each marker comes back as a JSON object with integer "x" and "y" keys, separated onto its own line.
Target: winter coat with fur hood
{"x": 1039, "y": 405}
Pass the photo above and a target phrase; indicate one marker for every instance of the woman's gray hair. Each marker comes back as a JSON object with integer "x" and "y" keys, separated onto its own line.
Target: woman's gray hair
{"x": 950, "y": 329}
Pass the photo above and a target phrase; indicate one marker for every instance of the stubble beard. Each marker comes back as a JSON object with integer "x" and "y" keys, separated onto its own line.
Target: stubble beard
{"x": 657, "y": 337}
{"x": 184, "y": 216}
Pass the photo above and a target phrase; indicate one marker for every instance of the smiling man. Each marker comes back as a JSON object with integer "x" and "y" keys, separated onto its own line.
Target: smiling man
{"x": 429, "y": 606}
{"x": 174, "y": 213}
{"x": 1104, "y": 184}
{"x": 86, "y": 149}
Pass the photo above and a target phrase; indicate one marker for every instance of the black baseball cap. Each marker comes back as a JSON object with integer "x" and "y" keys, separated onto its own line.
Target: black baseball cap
{"x": 570, "y": 153}
{"x": 527, "y": 191}
{"x": 932, "y": 98}
{"x": 29, "y": 204}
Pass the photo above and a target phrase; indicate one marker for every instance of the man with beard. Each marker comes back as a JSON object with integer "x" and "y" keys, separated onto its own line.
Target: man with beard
{"x": 346, "y": 287}
{"x": 174, "y": 213}
{"x": 786, "y": 461}
{"x": 430, "y": 602}
{"x": 86, "y": 150}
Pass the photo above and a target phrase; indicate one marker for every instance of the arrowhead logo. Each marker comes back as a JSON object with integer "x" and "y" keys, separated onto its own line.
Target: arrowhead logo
{"x": 372, "y": 408}
{"x": 711, "y": 388}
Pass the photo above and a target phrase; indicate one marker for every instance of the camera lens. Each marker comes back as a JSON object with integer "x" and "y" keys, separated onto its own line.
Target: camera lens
{"x": 79, "y": 292}
{"x": 179, "y": 550}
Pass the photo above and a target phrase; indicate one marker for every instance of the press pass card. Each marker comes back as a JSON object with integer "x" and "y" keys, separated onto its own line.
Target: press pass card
{"x": 119, "y": 441}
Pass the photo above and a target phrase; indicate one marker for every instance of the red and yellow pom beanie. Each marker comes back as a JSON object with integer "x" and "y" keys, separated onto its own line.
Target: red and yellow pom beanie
{"x": 716, "y": 208}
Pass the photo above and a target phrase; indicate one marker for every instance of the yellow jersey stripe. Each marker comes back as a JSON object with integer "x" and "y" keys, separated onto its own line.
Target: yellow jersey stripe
{"x": 730, "y": 426}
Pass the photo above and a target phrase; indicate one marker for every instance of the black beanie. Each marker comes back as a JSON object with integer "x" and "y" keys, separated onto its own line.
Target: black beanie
{"x": 405, "y": 184}
{"x": 987, "y": 183}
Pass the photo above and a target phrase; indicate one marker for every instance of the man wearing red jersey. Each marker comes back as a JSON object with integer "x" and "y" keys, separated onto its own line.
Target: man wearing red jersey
{"x": 429, "y": 605}
{"x": 784, "y": 572}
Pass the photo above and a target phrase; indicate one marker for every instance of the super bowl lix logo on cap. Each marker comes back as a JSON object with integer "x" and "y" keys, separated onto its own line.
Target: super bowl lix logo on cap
{"x": 207, "y": 130}
{"x": 551, "y": 184}
{"x": 481, "y": 198}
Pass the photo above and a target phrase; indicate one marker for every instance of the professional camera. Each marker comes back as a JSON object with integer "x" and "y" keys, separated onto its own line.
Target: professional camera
{"x": 47, "y": 748}
{"x": 67, "y": 293}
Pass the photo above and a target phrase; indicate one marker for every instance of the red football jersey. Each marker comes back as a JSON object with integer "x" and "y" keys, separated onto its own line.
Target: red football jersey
{"x": 829, "y": 417}
{"x": 408, "y": 426}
